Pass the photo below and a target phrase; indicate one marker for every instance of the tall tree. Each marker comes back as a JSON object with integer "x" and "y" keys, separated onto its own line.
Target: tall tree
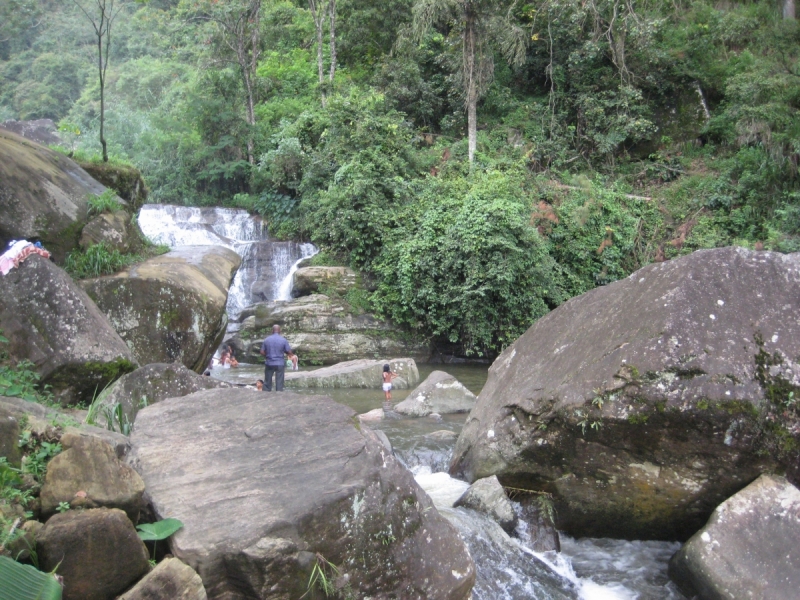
{"x": 101, "y": 14}
{"x": 238, "y": 35}
{"x": 484, "y": 26}
{"x": 319, "y": 11}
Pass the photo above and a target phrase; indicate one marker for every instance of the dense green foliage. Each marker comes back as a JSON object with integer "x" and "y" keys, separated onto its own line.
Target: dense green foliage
{"x": 630, "y": 132}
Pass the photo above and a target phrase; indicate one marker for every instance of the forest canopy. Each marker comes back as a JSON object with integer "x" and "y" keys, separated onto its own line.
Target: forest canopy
{"x": 481, "y": 161}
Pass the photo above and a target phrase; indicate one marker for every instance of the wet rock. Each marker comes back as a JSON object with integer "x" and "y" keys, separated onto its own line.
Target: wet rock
{"x": 170, "y": 580}
{"x": 536, "y": 525}
{"x": 264, "y": 487}
{"x": 748, "y": 549}
{"x": 442, "y": 434}
{"x": 115, "y": 230}
{"x": 361, "y": 373}
{"x": 170, "y": 308}
{"x": 89, "y": 475}
{"x": 440, "y": 393}
{"x": 641, "y": 405}
{"x": 51, "y": 322}
{"x": 154, "y": 383}
{"x": 376, "y": 414}
{"x": 42, "y": 195}
{"x": 488, "y": 496}
{"x": 312, "y": 280}
{"x": 97, "y": 552}
{"x": 324, "y": 330}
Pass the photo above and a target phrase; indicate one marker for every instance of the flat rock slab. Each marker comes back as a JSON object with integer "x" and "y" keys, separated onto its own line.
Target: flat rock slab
{"x": 643, "y": 404}
{"x": 170, "y": 308}
{"x": 265, "y": 483}
{"x": 440, "y": 393}
{"x": 748, "y": 549}
{"x": 50, "y": 321}
{"x": 362, "y": 373}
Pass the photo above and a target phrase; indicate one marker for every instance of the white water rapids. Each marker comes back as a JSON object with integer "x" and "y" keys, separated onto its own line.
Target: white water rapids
{"x": 507, "y": 569}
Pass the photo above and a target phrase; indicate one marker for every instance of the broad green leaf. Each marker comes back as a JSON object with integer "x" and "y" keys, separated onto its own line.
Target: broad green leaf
{"x": 23, "y": 582}
{"x": 160, "y": 530}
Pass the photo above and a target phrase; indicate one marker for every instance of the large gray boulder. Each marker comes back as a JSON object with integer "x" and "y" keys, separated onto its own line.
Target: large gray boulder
{"x": 170, "y": 580}
{"x": 43, "y": 195}
{"x": 641, "y": 405}
{"x": 51, "y": 322}
{"x": 170, "y": 308}
{"x": 268, "y": 485}
{"x": 748, "y": 549}
{"x": 324, "y": 330}
{"x": 440, "y": 393}
{"x": 97, "y": 552}
{"x": 89, "y": 475}
{"x": 310, "y": 280}
{"x": 154, "y": 383}
{"x": 361, "y": 373}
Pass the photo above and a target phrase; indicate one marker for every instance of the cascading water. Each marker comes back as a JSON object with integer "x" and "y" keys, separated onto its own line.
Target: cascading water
{"x": 587, "y": 569}
{"x": 267, "y": 266}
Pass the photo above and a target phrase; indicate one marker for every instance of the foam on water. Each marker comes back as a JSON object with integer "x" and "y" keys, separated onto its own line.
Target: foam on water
{"x": 588, "y": 569}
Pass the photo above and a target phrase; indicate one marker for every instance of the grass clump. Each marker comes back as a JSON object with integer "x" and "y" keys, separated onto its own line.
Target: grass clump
{"x": 97, "y": 260}
{"x": 105, "y": 202}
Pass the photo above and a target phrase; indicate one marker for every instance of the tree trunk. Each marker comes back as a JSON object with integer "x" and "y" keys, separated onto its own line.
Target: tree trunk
{"x": 317, "y": 16}
{"x": 102, "y": 94}
{"x": 788, "y": 9}
{"x": 471, "y": 87}
{"x": 332, "y": 16}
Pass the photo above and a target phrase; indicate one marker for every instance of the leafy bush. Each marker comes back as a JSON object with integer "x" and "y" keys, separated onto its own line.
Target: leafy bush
{"x": 97, "y": 260}
{"x": 467, "y": 266}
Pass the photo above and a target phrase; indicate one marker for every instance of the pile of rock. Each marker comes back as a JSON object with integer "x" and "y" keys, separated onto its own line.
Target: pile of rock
{"x": 267, "y": 492}
{"x": 324, "y": 328}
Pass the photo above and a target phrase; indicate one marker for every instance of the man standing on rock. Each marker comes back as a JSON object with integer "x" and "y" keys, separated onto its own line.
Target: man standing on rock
{"x": 273, "y": 349}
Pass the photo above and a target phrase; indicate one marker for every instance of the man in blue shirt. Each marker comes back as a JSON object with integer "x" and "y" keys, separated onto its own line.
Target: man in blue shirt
{"x": 273, "y": 349}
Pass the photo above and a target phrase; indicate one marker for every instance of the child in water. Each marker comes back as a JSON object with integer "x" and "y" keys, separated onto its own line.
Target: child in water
{"x": 388, "y": 377}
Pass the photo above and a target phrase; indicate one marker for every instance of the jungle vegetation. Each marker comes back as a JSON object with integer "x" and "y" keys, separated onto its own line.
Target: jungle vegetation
{"x": 480, "y": 161}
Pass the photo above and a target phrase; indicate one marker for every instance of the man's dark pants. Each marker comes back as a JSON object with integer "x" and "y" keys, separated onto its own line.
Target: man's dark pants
{"x": 279, "y": 371}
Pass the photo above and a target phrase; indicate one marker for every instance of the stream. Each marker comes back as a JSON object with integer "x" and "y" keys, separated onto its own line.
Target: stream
{"x": 587, "y": 569}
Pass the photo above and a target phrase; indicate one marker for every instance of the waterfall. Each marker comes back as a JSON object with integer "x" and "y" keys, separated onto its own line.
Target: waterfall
{"x": 267, "y": 266}
{"x": 284, "y": 292}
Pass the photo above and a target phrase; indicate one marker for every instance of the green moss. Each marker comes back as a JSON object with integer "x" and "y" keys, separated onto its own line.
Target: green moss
{"x": 637, "y": 419}
{"x": 703, "y": 404}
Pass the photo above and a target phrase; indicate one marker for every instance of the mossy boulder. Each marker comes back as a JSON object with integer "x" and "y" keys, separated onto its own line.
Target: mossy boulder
{"x": 311, "y": 280}
{"x": 324, "y": 330}
{"x": 643, "y": 404}
{"x": 50, "y": 321}
{"x": 170, "y": 308}
{"x": 43, "y": 195}
{"x": 125, "y": 180}
{"x": 114, "y": 229}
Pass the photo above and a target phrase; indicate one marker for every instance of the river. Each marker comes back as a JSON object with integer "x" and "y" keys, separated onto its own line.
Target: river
{"x": 588, "y": 569}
